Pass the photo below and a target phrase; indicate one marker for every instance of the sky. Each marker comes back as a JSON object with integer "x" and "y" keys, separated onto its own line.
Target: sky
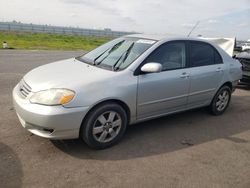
{"x": 217, "y": 18}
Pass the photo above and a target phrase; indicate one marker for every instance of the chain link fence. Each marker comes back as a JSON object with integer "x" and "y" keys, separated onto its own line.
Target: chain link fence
{"x": 33, "y": 28}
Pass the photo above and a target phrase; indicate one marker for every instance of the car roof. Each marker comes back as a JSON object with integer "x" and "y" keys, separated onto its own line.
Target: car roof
{"x": 161, "y": 37}
{"x": 169, "y": 37}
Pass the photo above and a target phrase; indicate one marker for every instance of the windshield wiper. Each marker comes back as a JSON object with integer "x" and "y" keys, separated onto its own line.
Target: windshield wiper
{"x": 127, "y": 52}
{"x": 110, "y": 50}
{"x": 94, "y": 61}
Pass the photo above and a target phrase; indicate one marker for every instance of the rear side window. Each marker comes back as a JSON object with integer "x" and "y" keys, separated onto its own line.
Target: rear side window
{"x": 202, "y": 54}
{"x": 217, "y": 58}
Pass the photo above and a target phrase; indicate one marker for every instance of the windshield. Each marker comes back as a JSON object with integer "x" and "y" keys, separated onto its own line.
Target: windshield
{"x": 117, "y": 54}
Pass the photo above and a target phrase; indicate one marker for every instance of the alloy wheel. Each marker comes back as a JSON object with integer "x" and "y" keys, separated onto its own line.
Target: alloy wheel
{"x": 222, "y": 100}
{"x": 107, "y": 126}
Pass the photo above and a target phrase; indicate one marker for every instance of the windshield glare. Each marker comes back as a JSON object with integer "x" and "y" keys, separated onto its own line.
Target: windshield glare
{"x": 117, "y": 54}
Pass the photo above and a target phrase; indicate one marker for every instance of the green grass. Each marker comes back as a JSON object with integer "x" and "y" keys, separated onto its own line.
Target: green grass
{"x": 50, "y": 41}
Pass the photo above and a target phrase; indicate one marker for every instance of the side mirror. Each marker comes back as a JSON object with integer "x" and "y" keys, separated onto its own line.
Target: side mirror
{"x": 151, "y": 68}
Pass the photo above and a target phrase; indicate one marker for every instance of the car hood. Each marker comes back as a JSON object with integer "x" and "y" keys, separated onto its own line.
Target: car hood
{"x": 69, "y": 74}
{"x": 244, "y": 55}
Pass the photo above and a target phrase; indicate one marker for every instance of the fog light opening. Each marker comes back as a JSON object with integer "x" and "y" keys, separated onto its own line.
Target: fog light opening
{"x": 48, "y": 130}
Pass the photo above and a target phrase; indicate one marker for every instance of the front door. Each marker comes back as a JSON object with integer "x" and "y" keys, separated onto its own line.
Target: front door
{"x": 166, "y": 91}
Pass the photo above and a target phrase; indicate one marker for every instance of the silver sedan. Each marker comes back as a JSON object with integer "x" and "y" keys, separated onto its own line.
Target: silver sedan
{"x": 125, "y": 81}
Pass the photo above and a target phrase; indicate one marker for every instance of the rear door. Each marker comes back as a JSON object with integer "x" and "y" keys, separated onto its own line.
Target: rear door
{"x": 206, "y": 73}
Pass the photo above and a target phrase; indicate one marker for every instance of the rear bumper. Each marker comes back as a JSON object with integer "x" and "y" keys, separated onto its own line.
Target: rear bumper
{"x": 53, "y": 122}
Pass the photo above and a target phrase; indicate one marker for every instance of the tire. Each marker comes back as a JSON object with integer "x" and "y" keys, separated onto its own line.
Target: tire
{"x": 104, "y": 126}
{"x": 220, "y": 101}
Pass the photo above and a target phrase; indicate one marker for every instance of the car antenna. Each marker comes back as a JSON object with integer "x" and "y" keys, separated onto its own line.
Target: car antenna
{"x": 193, "y": 28}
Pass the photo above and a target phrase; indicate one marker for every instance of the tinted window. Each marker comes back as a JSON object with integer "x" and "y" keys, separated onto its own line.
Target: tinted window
{"x": 217, "y": 58}
{"x": 202, "y": 54}
{"x": 171, "y": 55}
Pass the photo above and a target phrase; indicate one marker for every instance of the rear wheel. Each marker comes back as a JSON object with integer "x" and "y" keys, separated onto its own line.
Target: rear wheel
{"x": 221, "y": 101}
{"x": 104, "y": 126}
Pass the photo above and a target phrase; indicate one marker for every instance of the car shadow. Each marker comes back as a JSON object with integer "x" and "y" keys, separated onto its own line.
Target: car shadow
{"x": 168, "y": 134}
{"x": 243, "y": 86}
{"x": 11, "y": 173}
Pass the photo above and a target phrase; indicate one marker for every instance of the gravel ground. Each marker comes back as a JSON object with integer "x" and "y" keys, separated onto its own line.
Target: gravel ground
{"x": 190, "y": 149}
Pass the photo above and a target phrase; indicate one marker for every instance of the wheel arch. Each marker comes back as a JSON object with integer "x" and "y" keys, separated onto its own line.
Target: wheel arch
{"x": 229, "y": 84}
{"x": 117, "y": 101}
{"x": 211, "y": 107}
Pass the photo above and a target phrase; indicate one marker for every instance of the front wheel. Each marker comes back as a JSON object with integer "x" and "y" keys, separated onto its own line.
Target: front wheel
{"x": 221, "y": 101}
{"x": 104, "y": 126}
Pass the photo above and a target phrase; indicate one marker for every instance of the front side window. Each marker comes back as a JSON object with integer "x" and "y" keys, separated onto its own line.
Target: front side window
{"x": 117, "y": 54}
{"x": 202, "y": 54}
{"x": 171, "y": 55}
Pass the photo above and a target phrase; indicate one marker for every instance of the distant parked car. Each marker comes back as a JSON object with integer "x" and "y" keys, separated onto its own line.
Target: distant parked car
{"x": 244, "y": 59}
{"x": 238, "y": 48}
{"x": 128, "y": 80}
{"x": 245, "y": 47}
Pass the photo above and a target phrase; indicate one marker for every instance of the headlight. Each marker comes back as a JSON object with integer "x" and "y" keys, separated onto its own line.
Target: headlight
{"x": 52, "y": 97}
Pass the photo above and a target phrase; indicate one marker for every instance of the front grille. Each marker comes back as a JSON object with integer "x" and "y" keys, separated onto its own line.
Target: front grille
{"x": 245, "y": 64}
{"x": 24, "y": 89}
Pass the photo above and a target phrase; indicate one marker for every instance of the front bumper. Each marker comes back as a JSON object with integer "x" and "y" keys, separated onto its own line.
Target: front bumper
{"x": 53, "y": 122}
{"x": 245, "y": 78}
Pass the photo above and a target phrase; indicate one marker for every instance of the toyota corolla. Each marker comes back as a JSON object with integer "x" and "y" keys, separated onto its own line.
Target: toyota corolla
{"x": 125, "y": 81}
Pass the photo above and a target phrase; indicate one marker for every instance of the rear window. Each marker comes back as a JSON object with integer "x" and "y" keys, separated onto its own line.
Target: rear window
{"x": 202, "y": 54}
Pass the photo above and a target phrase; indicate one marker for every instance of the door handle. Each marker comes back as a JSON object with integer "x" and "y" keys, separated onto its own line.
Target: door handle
{"x": 219, "y": 69}
{"x": 184, "y": 75}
